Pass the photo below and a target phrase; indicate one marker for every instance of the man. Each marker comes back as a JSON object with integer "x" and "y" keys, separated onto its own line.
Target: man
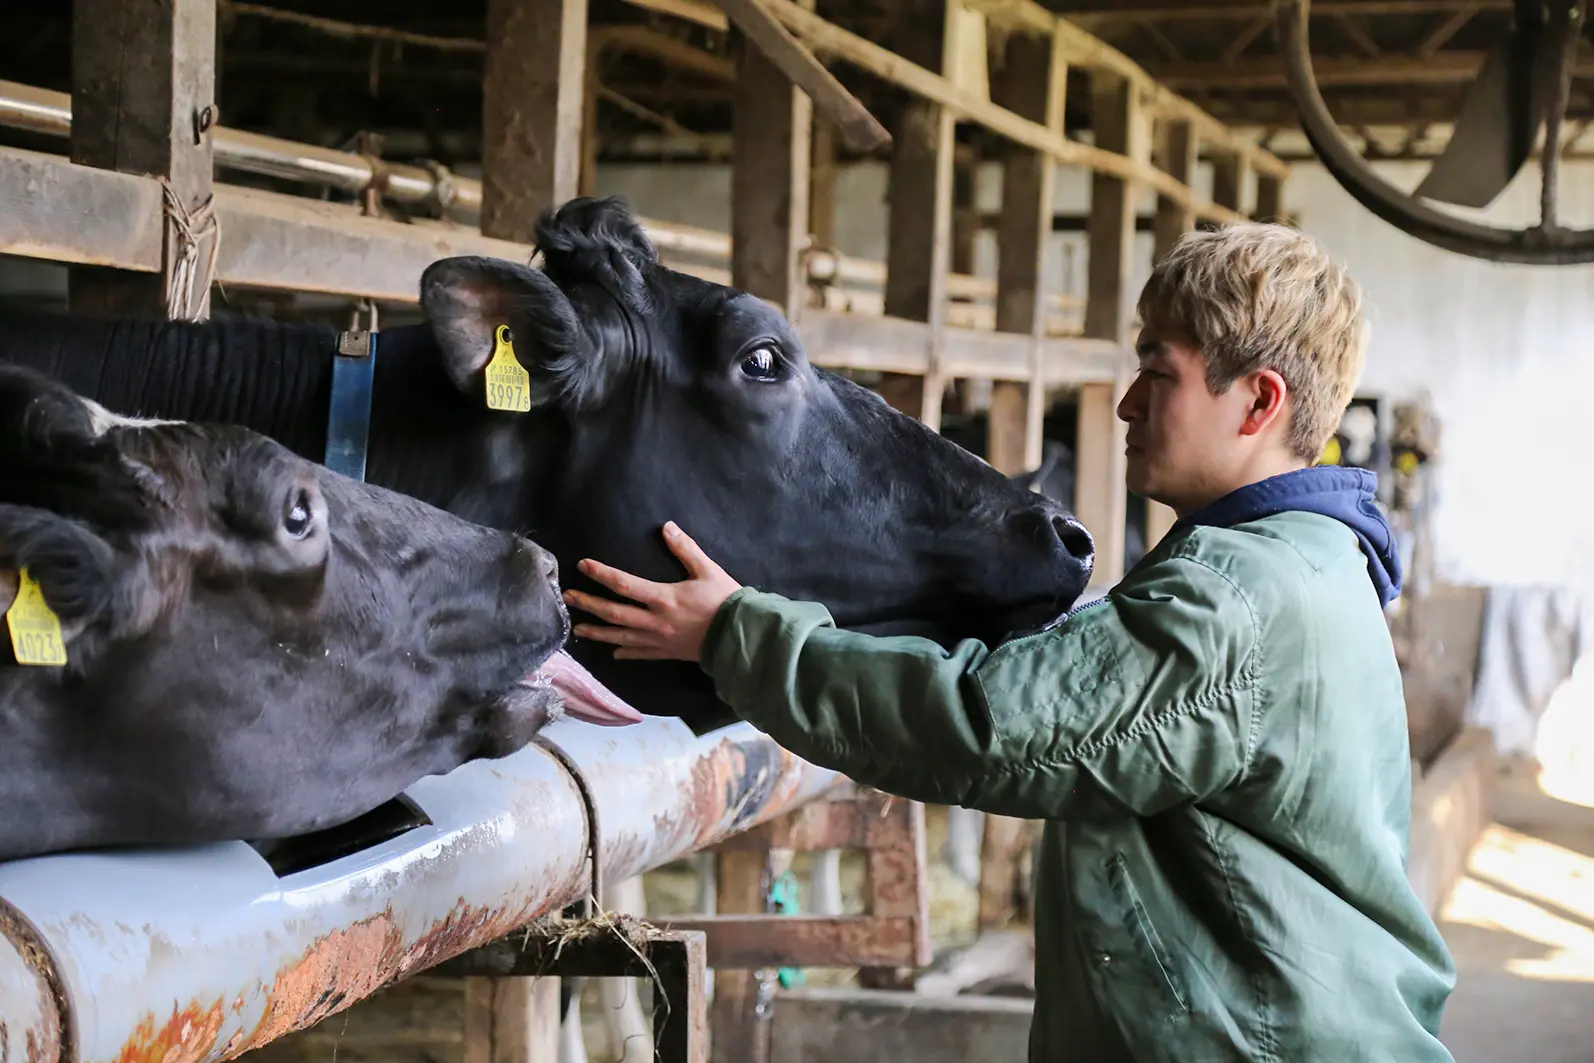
{"x": 1218, "y": 746}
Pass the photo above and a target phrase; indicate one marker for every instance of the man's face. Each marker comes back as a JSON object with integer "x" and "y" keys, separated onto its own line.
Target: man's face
{"x": 1184, "y": 443}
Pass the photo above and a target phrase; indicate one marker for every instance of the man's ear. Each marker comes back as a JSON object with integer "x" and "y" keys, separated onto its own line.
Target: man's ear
{"x": 74, "y": 568}
{"x": 1268, "y": 397}
{"x": 468, "y": 298}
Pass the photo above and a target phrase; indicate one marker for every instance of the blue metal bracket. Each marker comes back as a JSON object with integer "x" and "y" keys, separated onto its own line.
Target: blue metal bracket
{"x": 349, "y": 412}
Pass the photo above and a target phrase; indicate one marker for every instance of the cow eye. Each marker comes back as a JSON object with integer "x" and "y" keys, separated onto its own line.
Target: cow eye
{"x": 297, "y": 521}
{"x": 760, "y": 363}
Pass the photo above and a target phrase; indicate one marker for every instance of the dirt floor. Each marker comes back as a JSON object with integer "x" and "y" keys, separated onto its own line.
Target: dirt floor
{"x": 1521, "y": 927}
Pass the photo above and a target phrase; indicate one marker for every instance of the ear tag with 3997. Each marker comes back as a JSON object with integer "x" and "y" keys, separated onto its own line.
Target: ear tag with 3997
{"x": 508, "y": 383}
{"x": 35, "y": 629}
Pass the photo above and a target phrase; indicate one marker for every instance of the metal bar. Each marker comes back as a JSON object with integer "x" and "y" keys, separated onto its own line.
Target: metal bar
{"x": 45, "y": 111}
{"x": 204, "y": 953}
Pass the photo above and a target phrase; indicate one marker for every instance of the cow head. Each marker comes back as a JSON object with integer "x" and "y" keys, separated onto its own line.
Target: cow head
{"x": 255, "y": 645}
{"x": 660, "y": 396}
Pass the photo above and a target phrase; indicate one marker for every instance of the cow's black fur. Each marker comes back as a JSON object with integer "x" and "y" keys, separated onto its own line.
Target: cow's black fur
{"x": 257, "y": 647}
{"x": 658, "y": 396}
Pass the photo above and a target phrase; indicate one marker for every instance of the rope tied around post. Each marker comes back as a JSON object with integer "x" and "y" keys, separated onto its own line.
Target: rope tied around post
{"x": 187, "y": 284}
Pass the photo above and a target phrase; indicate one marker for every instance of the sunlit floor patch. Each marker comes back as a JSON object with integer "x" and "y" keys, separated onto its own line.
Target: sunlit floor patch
{"x": 1520, "y": 925}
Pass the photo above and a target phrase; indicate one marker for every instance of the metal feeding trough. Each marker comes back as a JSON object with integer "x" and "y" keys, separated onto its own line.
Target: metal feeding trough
{"x": 194, "y": 955}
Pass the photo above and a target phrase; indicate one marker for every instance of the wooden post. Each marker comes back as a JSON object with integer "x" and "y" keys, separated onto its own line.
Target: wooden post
{"x": 511, "y": 1020}
{"x": 590, "y": 145}
{"x": 1270, "y": 199}
{"x": 738, "y": 1033}
{"x": 1179, "y": 160}
{"x": 533, "y": 98}
{"x": 771, "y": 151}
{"x": 1100, "y": 493}
{"x": 771, "y": 147}
{"x": 1229, "y": 174}
{"x": 1180, "y": 147}
{"x": 822, "y": 174}
{"x": 532, "y": 103}
{"x": 918, "y": 255}
{"x": 143, "y": 101}
{"x": 1034, "y": 84}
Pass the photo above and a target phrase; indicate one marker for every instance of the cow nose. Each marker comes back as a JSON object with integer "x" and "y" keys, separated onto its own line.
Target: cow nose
{"x": 1075, "y": 539}
{"x": 1059, "y": 531}
{"x": 546, "y": 564}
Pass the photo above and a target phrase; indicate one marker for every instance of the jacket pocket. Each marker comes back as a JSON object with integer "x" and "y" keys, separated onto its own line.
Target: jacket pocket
{"x": 1134, "y": 968}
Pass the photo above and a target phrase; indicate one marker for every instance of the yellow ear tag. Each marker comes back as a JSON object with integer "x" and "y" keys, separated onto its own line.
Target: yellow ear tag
{"x": 1331, "y": 453}
{"x": 508, "y": 383}
{"x": 35, "y": 629}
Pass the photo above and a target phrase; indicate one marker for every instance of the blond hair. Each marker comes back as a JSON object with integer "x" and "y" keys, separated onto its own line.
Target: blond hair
{"x": 1253, "y": 296}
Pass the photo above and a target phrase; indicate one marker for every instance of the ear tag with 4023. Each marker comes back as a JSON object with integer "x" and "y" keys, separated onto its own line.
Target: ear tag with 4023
{"x": 35, "y": 629}
{"x": 508, "y": 383}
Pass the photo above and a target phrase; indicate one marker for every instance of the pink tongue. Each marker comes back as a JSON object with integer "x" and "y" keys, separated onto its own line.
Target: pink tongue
{"x": 585, "y": 698}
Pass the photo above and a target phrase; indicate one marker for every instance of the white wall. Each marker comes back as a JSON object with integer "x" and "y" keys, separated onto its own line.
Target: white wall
{"x": 1505, "y": 352}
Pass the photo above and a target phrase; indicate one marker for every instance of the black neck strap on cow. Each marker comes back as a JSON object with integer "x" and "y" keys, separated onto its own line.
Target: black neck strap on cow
{"x": 349, "y": 412}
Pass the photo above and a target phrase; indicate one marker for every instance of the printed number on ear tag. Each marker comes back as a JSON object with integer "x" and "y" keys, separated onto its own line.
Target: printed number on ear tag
{"x": 508, "y": 383}
{"x": 35, "y": 629}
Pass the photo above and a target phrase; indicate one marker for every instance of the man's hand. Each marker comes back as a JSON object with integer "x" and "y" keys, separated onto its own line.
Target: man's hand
{"x": 674, "y": 617}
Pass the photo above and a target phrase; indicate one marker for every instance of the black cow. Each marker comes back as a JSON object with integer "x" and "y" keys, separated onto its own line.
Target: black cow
{"x": 655, "y": 396}
{"x": 254, "y": 646}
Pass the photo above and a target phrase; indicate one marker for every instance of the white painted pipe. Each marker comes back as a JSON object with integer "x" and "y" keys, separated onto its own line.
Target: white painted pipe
{"x": 825, "y": 894}
{"x": 204, "y": 953}
{"x": 965, "y": 830}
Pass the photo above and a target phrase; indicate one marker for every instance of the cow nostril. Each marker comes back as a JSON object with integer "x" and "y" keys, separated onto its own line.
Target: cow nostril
{"x": 1075, "y": 539}
{"x": 547, "y": 565}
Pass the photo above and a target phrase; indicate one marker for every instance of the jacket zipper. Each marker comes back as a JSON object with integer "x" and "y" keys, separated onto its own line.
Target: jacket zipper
{"x": 1065, "y": 618}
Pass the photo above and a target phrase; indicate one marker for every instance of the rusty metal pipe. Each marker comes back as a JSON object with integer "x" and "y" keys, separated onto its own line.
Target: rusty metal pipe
{"x": 201, "y": 954}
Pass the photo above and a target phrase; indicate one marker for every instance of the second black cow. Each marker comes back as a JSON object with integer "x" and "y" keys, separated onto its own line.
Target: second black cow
{"x": 654, "y": 396}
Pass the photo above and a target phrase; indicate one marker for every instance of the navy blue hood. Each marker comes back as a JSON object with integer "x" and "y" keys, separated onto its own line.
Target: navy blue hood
{"x": 1346, "y": 494}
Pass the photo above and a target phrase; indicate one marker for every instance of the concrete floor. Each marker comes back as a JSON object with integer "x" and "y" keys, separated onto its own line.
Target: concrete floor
{"x": 1521, "y": 928}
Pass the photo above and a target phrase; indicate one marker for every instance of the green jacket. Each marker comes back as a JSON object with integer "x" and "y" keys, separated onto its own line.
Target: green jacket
{"x": 1219, "y": 750}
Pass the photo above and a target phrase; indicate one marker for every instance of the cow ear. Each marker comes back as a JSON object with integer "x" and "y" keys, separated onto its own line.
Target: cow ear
{"x": 74, "y": 568}
{"x": 54, "y": 454}
{"x": 468, "y": 298}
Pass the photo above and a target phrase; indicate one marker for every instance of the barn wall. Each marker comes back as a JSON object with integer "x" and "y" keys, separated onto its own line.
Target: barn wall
{"x": 1506, "y": 352}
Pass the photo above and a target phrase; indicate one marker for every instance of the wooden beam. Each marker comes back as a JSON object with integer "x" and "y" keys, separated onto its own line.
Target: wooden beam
{"x": 143, "y": 87}
{"x": 54, "y": 210}
{"x": 532, "y": 104}
{"x": 1087, "y": 52}
{"x": 748, "y": 942}
{"x": 1447, "y": 28}
{"x": 698, "y": 11}
{"x": 1100, "y": 492}
{"x": 773, "y": 130}
{"x": 901, "y": 70}
{"x": 858, "y": 128}
{"x": 1443, "y": 68}
{"x": 739, "y": 1036}
{"x": 1163, "y": 11}
{"x": 863, "y": 1026}
{"x": 640, "y": 40}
